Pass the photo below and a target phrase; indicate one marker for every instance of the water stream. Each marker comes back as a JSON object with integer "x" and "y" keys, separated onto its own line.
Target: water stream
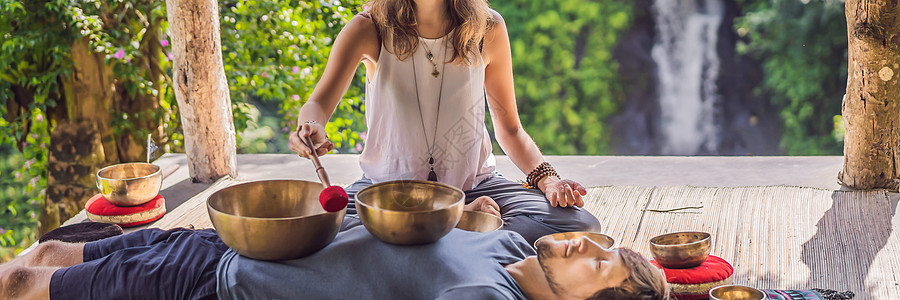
{"x": 688, "y": 66}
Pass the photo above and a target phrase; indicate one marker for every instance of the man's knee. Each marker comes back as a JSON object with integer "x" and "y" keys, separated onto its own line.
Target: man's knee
{"x": 55, "y": 253}
{"x": 17, "y": 281}
{"x": 46, "y": 251}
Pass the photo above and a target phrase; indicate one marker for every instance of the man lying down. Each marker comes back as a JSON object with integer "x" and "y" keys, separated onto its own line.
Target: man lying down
{"x": 196, "y": 264}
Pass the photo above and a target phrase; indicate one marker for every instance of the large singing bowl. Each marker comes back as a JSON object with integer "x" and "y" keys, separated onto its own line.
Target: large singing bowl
{"x": 129, "y": 184}
{"x": 409, "y": 212}
{"x": 273, "y": 219}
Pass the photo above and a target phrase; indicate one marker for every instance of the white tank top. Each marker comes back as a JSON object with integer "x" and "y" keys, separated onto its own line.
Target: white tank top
{"x": 396, "y": 147}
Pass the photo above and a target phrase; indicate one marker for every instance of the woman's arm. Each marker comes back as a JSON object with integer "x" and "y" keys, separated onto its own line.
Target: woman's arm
{"x": 358, "y": 41}
{"x": 517, "y": 144}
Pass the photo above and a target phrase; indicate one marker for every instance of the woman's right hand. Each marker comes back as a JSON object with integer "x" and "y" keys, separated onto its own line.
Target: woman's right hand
{"x": 316, "y": 133}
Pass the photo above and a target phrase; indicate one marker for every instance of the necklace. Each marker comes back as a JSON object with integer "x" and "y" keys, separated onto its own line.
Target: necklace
{"x": 432, "y": 176}
{"x": 430, "y": 57}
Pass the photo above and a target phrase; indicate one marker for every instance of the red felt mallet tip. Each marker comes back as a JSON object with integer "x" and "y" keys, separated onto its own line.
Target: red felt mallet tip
{"x": 333, "y": 198}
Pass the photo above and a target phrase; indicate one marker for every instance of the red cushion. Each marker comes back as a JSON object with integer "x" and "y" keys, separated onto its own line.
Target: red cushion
{"x": 713, "y": 269}
{"x": 695, "y": 283}
{"x": 100, "y": 210}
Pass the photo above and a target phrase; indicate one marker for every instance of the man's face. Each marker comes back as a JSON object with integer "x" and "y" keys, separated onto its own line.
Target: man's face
{"x": 578, "y": 268}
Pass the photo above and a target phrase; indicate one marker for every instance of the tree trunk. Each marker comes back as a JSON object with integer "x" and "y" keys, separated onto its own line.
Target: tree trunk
{"x": 870, "y": 108}
{"x": 76, "y": 153}
{"x": 201, "y": 88}
{"x": 82, "y": 141}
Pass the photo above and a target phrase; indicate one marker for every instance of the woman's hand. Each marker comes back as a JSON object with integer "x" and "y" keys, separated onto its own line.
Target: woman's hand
{"x": 484, "y": 204}
{"x": 316, "y": 133}
{"x": 562, "y": 192}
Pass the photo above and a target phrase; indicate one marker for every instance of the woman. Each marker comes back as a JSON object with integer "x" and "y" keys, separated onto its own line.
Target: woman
{"x": 431, "y": 65}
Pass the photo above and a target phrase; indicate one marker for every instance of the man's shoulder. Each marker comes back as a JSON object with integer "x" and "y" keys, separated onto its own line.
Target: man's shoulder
{"x": 515, "y": 240}
{"x": 500, "y": 237}
{"x": 476, "y": 292}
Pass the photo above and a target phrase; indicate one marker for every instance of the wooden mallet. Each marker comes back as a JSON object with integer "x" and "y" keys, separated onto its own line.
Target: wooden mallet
{"x": 333, "y": 198}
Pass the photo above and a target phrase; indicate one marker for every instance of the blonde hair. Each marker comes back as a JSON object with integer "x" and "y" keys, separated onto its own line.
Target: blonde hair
{"x": 396, "y": 21}
{"x": 645, "y": 281}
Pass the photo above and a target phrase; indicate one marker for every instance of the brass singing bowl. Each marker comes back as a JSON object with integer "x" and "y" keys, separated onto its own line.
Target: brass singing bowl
{"x": 603, "y": 240}
{"x": 680, "y": 250}
{"x": 273, "y": 219}
{"x": 409, "y": 212}
{"x": 129, "y": 184}
{"x": 736, "y": 292}
{"x": 479, "y": 222}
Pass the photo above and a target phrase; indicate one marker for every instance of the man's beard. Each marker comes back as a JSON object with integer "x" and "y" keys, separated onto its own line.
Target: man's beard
{"x": 544, "y": 252}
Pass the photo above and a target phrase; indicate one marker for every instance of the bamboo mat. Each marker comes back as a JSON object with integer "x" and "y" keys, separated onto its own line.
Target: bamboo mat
{"x": 778, "y": 237}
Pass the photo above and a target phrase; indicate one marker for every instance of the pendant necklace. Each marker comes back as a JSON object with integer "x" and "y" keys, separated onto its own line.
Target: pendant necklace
{"x": 432, "y": 176}
{"x": 430, "y": 57}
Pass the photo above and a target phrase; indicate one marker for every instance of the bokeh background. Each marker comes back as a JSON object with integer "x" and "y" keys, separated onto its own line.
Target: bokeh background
{"x": 593, "y": 77}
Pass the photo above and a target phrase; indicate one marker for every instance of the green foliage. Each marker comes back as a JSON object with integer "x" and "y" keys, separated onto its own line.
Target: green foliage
{"x": 34, "y": 61}
{"x": 565, "y": 76}
{"x": 803, "y": 47}
{"x": 32, "y": 58}
{"x": 274, "y": 52}
{"x": 20, "y": 180}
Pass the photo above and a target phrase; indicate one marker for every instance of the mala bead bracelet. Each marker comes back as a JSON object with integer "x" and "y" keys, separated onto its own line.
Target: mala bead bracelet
{"x": 535, "y": 176}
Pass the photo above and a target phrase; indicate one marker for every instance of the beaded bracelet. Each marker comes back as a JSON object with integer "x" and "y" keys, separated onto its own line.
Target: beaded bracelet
{"x": 539, "y": 172}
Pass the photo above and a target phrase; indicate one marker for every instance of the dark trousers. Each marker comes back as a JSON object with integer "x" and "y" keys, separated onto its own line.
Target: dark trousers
{"x": 145, "y": 264}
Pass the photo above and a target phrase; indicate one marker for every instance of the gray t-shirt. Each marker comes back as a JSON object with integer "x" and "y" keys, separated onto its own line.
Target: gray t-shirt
{"x": 461, "y": 265}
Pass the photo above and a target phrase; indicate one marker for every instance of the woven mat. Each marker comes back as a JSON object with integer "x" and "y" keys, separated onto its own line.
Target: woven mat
{"x": 777, "y": 237}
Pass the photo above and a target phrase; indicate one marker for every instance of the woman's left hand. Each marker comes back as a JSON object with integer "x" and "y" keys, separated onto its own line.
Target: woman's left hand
{"x": 484, "y": 204}
{"x": 562, "y": 192}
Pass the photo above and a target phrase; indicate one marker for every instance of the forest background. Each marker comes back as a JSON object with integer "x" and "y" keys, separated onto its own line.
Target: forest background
{"x": 575, "y": 75}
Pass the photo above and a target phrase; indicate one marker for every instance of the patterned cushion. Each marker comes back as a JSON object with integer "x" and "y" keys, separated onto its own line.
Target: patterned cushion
{"x": 695, "y": 283}
{"x": 794, "y": 295}
{"x": 100, "y": 210}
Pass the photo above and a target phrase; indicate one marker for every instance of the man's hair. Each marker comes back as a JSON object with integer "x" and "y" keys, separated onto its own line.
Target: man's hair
{"x": 645, "y": 281}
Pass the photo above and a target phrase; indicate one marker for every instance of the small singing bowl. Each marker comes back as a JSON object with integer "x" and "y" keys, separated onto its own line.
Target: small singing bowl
{"x": 273, "y": 219}
{"x": 603, "y": 240}
{"x": 129, "y": 184}
{"x": 409, "y": 212}
{"x": 736, "y": 292}
{"x": 680, "y": 250}
{"x": 479, "y": 222}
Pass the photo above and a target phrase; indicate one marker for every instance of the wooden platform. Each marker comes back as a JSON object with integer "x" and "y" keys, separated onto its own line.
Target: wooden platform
{"x": 775, "y": 236}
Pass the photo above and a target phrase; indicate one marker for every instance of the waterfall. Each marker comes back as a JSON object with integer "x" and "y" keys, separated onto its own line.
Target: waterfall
{"x": 688, "y": 66}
